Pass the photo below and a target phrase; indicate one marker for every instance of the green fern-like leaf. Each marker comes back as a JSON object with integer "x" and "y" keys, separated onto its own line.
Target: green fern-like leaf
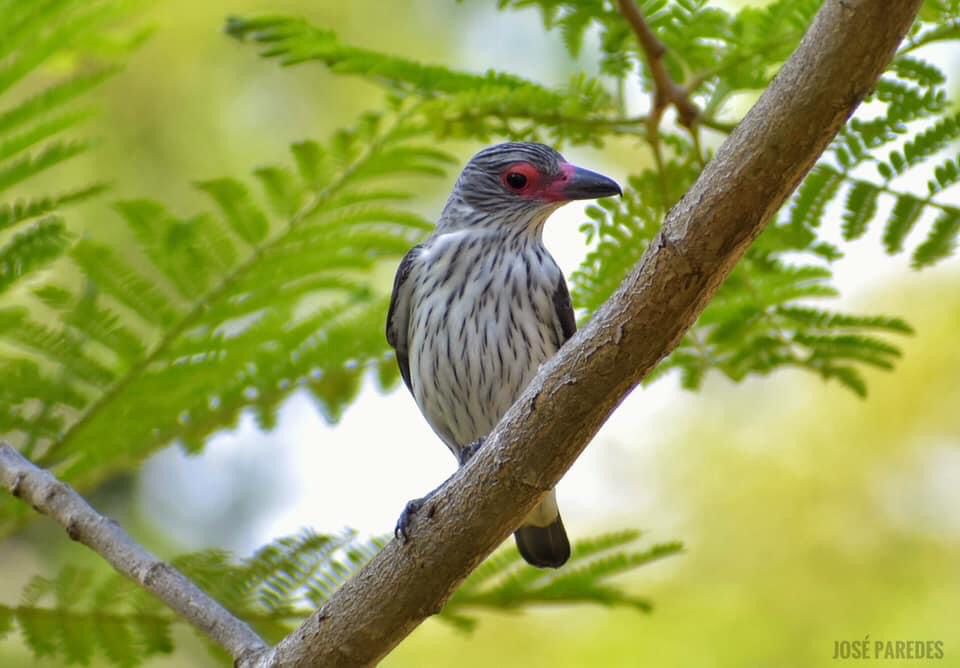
{"x": 92, "y": 322}
{"x": 12, "y": 214}
{"x": 13, "y": 173}
{"x": 914, "y": 69}
{"x": 222, "y": 312}
{"x": 505, "y": 582}
{"x": 115, "y": 277}
{"x": 912, "y": 98}
{"x": 53, "y": 99}
{"x": 941, "y": 242}
{"x": 35, "y": 128}
{"x": 77, "y": 630}
{"x": 812, "y": 197}
{"x": 34, "y": 247}
{"x": 82, "y": 614}
{"x": 759, "y": 321}
{"x": 17, "y": 328}
{"x": 454, "y": 103}
{"x": 239, "y": 210}
{"x": 903, "y": 217}
{"x": 294, "y": 41}
{"x": 926, "y": 144}
{"x": 945, "y": 174}
{"x": 861, "y": 207}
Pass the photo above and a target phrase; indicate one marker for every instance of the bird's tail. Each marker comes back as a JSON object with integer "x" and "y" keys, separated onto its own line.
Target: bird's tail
{"x": 542, "y": 540}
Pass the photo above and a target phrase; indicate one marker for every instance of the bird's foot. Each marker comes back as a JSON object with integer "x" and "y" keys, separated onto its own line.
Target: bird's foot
{"x": 468, "y": 451}
{"x": 401, "y": 531}
{"x": 403, "y": 523}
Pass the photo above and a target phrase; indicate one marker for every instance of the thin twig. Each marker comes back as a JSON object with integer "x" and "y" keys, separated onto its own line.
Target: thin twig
{"x": 665, "y": 90}
{"x": 51, "y": 497}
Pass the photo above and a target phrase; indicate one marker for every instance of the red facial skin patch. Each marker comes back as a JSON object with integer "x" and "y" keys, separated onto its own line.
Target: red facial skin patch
{"x": 554, "y": 192}
{"x": 537, "y": 185}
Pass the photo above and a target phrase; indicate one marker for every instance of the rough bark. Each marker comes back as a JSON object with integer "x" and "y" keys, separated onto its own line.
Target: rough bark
{"x": 753, "y": 173}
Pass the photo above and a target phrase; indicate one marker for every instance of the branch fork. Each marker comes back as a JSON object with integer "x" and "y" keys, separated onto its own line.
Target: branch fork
{"x": 665, "y": 90}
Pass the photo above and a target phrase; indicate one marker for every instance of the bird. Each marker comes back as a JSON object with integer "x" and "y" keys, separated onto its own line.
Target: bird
{"x": 481, "y": 304}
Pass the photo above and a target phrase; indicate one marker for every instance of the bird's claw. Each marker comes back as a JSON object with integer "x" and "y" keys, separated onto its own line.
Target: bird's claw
{"x": 468, "y": 451}
{"x": 401, "y": 530}
{"x": 403, "y": 523}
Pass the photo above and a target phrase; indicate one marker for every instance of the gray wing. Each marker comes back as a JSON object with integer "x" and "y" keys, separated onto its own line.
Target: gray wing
{"x": 561, "y": 302}
{"x": 398, "y": 317}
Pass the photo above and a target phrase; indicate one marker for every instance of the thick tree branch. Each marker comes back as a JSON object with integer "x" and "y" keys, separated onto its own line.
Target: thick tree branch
{"x": 753, "y": 173}
{"x": 105, "y": 537}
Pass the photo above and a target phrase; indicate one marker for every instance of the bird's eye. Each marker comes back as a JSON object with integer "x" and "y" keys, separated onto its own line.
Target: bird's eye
{"x": 516, "y": 180}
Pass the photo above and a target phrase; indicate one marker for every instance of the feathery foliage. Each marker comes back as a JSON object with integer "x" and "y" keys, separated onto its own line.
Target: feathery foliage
{"x": 82, "y": 613}
{"x": 36, "y": 126}
{"x": 274, "y": 287}
{"x": 722, "y": 55}
{"x": 227, "y": 310}
{"x": 454, "y": 104}
{"x": 765, "y": 316}
{"x": 762, "y": 318}
{"x": 505, "y": 582}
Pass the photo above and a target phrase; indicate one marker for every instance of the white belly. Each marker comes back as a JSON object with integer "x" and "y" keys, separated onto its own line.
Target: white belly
{"x": 473, "y": 350}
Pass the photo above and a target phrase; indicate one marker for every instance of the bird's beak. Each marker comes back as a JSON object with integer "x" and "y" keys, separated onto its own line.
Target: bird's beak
{"x": 579, "y": 183}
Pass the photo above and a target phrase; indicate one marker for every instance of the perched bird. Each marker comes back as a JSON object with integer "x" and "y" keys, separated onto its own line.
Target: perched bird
{"x": 481, "y": 304}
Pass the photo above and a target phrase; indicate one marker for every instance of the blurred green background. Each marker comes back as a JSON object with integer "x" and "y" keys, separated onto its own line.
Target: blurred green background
{"x": 809, "y": 516}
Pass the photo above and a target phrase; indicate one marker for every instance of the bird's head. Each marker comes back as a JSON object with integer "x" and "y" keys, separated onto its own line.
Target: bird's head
{"x": 521, "y": 184}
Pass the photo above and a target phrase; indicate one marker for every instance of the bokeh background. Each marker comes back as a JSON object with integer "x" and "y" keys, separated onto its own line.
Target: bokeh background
{"x": 809, "y": 516}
